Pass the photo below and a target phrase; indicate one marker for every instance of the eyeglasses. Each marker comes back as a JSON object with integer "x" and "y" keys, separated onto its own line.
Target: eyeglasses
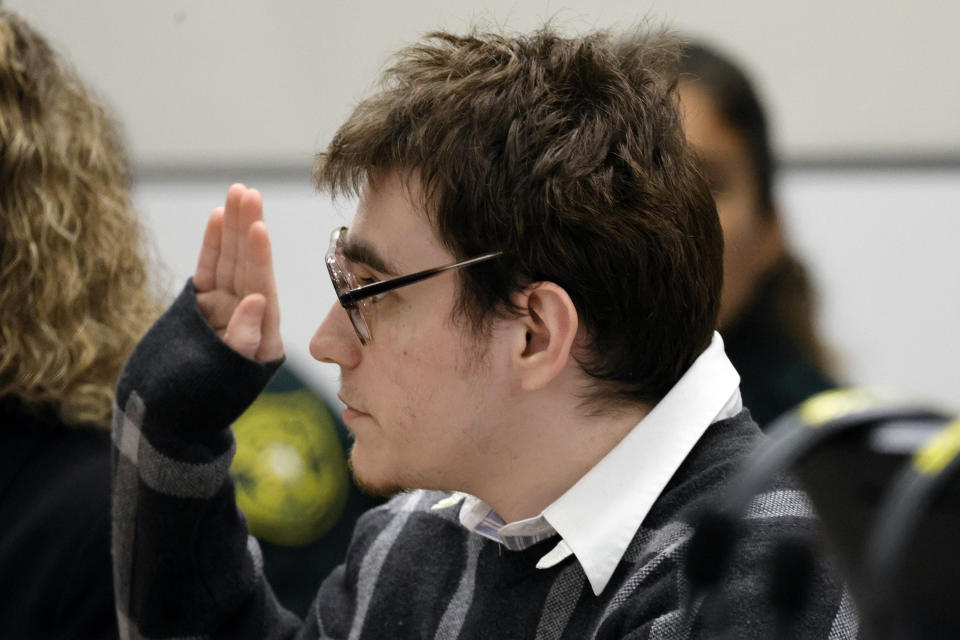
{"x": 357, "y": 299}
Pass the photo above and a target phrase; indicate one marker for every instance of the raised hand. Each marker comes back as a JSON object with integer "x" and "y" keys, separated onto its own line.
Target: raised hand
{"x": 234, "y": 279}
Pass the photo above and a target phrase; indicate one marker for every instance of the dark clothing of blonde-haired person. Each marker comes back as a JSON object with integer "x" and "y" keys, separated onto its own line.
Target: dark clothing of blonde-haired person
{"x": 55, "y": 570}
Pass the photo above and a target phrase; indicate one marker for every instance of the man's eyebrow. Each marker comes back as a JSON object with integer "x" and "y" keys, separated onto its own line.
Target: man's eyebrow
{"x": 356, "y": 250}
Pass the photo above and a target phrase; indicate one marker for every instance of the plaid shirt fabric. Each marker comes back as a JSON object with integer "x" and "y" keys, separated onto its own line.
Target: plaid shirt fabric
{"x": 489, "y": 524}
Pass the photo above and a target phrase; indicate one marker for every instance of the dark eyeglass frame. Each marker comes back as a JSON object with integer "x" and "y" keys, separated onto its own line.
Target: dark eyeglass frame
{"x": 355, "y": 298}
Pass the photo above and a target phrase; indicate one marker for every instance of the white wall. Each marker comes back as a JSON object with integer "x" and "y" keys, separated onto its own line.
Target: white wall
{"x": 254, "y": 82}
{"x": 881, "y": 246}
{"x": 251, "y": 86}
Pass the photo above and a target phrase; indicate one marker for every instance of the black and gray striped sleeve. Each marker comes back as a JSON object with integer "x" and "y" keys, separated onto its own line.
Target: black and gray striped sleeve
{"x": 184, "y": 564}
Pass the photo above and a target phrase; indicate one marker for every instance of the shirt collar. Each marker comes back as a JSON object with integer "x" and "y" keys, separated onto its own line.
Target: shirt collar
{"x": 599, "y": 515}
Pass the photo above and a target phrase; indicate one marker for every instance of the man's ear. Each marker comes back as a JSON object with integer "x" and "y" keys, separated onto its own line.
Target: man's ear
{"x": 545, "y": 335}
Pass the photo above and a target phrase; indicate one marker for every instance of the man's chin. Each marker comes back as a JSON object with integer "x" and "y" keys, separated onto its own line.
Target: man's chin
{"x": 368, "y": 483}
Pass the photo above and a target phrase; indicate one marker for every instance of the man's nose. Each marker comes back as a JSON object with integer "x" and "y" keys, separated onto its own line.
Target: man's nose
{"x": 335, "y": 340}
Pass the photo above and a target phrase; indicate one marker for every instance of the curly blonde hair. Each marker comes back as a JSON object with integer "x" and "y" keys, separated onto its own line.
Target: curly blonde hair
{"x": 75, "y": 294}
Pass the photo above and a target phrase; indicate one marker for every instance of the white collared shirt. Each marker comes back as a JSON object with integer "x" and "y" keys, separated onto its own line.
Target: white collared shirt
{"x": 598, "y": 516}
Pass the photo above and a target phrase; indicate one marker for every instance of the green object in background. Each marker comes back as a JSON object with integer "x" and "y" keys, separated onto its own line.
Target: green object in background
{"x": 290, "y": 468}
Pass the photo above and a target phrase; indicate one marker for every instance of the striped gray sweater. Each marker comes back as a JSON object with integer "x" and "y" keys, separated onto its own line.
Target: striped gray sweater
{"x": 185, "y": 566}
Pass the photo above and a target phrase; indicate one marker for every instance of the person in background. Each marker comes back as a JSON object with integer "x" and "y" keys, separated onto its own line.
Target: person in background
{"x": 75, "y": 297}
{"x": 767, "y": 302}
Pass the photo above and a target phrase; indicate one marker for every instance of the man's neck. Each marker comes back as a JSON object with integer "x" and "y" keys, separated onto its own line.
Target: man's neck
{"x": 546, "y": 452}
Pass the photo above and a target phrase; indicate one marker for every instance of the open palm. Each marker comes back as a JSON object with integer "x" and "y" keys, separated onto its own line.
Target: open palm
{"x": 234, "y": 279}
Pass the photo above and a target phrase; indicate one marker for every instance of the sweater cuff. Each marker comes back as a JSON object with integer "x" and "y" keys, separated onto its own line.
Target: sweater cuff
{"x": 191, "y": 382}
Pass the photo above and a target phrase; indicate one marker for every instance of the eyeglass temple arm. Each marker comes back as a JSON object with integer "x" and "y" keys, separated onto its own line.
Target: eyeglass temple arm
{"x": 376, "y": 288}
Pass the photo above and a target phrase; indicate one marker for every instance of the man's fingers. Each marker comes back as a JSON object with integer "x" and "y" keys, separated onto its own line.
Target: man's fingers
{"x": 250, "y": 211}
{"x": 244, "y": 329}
{"x": 205, "y": 277}
{"x": 230, "y": 237}
{"x": 236, "y": 291}
{"x": 260, "y": 278}
{"x": 217, "y": 307}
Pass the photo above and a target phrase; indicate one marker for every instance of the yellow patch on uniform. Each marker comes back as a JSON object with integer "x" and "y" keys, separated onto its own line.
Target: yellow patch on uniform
{"x": 934, "y": 457}
{"x": 827, "y": 406}
{"x": 290, "y": 470}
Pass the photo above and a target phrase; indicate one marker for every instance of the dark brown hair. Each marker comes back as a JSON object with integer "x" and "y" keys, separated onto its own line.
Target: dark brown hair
{"x": 567, "y": 155}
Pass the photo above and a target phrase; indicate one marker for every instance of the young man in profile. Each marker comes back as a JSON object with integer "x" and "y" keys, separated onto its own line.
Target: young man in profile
{"x": 528, "y": 294}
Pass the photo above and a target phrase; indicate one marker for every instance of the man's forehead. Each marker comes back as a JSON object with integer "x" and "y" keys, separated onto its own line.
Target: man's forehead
{"x": 390, "y": 231}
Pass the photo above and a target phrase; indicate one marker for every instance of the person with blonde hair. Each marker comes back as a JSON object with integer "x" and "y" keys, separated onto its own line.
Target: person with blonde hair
{"x": 75, "y": 297}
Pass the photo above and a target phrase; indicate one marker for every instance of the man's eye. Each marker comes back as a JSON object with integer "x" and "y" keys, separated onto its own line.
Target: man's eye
{"x": 364, "y": 281}
{"x": 362, "y": 276}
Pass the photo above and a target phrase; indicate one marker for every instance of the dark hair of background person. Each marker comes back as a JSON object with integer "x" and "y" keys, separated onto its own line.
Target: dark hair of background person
{"x": 74, "y": 299}
{"x": 785, "y": 296}
{"x": 734, "y": 96}
{"x": 609, "y": 204}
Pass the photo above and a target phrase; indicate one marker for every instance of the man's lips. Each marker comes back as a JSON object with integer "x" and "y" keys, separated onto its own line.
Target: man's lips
{"x": 350, "y": 411}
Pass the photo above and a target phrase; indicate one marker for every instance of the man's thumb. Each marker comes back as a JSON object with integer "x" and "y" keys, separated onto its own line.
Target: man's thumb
{"x": 244, "y": 329}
